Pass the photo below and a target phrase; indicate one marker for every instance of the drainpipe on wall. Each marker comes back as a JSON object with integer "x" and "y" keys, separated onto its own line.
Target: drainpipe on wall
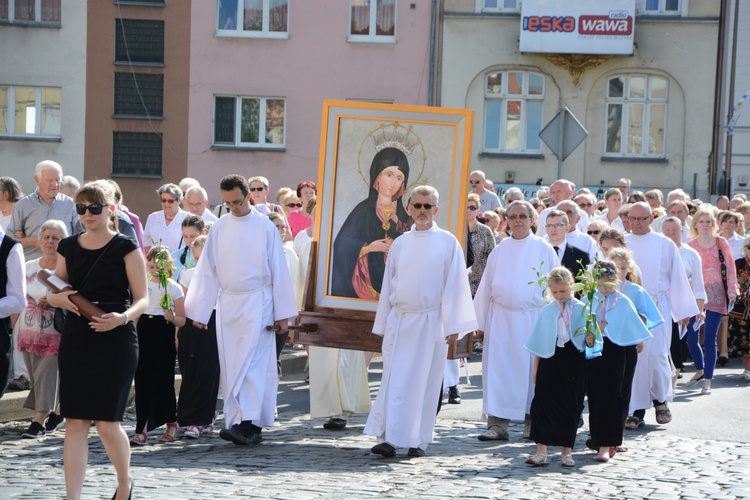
{"x": 433, "y": 45}
{"x": 732, "y": 78}
{"x": 713, "y": 169}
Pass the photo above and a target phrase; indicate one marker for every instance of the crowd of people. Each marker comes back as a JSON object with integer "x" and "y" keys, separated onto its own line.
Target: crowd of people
{"x": 216, "y": 288}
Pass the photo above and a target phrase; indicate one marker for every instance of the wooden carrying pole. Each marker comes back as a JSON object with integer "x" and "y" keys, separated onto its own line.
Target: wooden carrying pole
{"x": 344, "y": 328}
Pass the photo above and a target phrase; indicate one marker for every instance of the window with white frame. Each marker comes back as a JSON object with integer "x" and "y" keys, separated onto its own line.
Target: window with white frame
{"x": 30, "y": 11}
{"x": 249, "y": 121}
{"x": 498, "y": 5}
{"x": 253, "y": 18}
{"x": 372, "y": 20}
{"x": 513, "y": 106}
{"x": 30, "y": 111}
{"x": 636, "y": 116}
{"x": 661, "y": 7}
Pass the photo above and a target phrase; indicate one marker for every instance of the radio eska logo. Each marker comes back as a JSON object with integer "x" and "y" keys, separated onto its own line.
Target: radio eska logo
{"x": 614, "y": 23}
{"x": 566, "y": 24}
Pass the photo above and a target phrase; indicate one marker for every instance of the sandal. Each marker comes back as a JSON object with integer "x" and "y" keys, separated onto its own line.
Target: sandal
{"x": 663, "y": 416}
{"x": 621, "y": 449}
{"x": 601, "y": 457}
{"x": 612, "y": 451}
{"x": 632, "y": 423}
{"x": 567, "y": 461}
{"x": 537, "y": 460}
{"x": 192, "y": 432}
{"x": 745, "y": 375}
{"x": 209, "y": 428}
{"x": 167, "y": 437}
{"x": 139, "y": 439}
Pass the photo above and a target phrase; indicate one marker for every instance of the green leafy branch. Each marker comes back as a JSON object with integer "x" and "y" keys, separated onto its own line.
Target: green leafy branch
{"x": 541, "y": 281}
{"x": 163, "y": 262}
{"x": 587, "y": 281}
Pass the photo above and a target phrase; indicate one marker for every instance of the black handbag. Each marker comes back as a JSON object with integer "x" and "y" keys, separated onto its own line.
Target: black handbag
{"x": 58, "y": 320}
{"x": 61, "y": 315}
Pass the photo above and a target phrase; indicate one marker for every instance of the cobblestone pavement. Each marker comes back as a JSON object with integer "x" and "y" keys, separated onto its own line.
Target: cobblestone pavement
{"x": 297, "y": 460}
{"x": 703, "y": 453}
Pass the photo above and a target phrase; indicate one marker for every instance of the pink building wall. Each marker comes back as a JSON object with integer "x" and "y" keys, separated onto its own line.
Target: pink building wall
{"x": 315, "y": 63}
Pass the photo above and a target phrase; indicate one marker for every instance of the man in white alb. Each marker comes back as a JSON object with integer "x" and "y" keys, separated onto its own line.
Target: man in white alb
{"x": 665, "y": 280}
{"x": 425, "y": 303}
{"x": 243, "y": 271}
{"x": 507, "y": 308}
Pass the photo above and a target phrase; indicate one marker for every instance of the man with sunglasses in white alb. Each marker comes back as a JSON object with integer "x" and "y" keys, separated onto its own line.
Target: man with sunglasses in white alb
{"x": 425, "y": 303}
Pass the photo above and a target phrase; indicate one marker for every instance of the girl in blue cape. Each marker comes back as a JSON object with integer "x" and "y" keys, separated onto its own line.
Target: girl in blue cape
{"x": 649, "y": 313}
{"x": 557, "y": 341}
{"x": 621, "y": 328}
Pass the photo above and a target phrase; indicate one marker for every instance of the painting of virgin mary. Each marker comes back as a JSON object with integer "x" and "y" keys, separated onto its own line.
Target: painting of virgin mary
{"x": 361, "y": 246}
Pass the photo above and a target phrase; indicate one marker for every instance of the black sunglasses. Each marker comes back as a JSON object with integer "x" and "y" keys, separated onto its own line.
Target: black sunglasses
{"x": 427, "y": 206}
{"x": 290, "y": 205}
{"x": 94, "y": 208}
{"x": 594, "y": 232}
{"x": 257, "y": 189}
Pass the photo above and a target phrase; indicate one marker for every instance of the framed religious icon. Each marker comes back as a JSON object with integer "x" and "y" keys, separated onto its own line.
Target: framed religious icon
{"x": 371, "y": 158}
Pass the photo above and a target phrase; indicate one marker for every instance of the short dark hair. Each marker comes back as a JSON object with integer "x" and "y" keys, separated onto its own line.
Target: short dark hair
{"x": 230, "y": 182}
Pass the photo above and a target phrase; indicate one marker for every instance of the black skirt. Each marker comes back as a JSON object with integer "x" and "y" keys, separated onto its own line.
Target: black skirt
{"x": 558, "y": 397}
{"x": 96, "y": 369}
{"x": 604, "y": 382}
{"x": 155, "y": 401}
{"x": 631, "y": 359}
{"x": 198, "y": 356}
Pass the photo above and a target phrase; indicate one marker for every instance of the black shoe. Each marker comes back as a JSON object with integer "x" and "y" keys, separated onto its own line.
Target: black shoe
{"x": 235, "y": 435}
{"x": 723, "y": 360}
{"x": 20, "y": 384}
{"x": 383, "y": 449}
{"x": 130, "y": 492}
{"x": 454, "y": 397}
{"x": 335, "y": 424}
{"x": 415, "y": 452}
{"x": 35, "y": 431}
{"x": 53, "y": 420}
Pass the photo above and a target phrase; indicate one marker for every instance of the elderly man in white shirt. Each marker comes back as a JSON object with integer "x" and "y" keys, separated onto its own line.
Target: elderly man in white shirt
{"x": 675, "y": 194}
{"x": 679, "y": 210}
{"x": 574, "y": 236}
{"x": 562, "y": 190}
{"x": 196, "y": 202}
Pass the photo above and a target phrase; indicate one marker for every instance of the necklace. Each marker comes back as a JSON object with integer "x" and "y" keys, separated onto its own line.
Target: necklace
{"x": 387, "y": 214}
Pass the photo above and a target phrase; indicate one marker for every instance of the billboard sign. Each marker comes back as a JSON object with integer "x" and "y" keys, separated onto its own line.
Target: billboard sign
{"x": 577, "y": 26}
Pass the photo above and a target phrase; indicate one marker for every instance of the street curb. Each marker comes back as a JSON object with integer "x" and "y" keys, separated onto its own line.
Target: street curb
{"x": 11, "y": 404}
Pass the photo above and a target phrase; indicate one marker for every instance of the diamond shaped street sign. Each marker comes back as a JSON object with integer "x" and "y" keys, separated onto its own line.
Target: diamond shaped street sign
{"x": 563, "y": 134}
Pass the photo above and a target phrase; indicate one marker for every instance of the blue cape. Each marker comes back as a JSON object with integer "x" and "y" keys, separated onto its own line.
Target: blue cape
{"x": 543, "y": 337}
{"x": 624, "y": 326}
{"x": 644, "y": 305}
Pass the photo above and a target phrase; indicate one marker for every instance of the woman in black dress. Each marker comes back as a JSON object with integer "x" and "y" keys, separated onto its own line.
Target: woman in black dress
{"x": 103, "y": 352}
